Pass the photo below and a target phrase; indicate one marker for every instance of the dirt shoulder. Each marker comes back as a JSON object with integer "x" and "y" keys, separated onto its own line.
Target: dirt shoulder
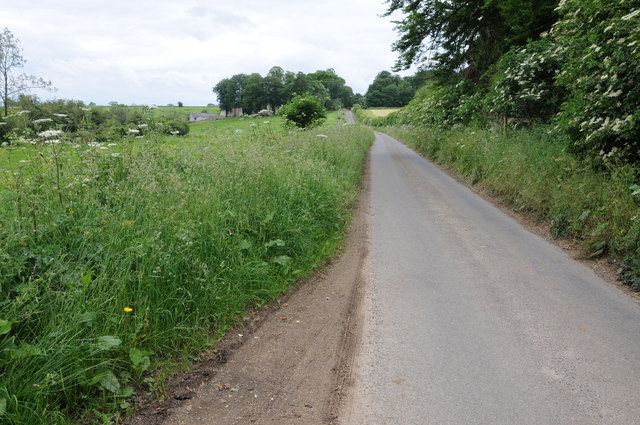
{"x": 290, "y": 364}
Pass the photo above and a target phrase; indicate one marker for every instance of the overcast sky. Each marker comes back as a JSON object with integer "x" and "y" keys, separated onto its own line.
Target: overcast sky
{"x": 165, "y": 51}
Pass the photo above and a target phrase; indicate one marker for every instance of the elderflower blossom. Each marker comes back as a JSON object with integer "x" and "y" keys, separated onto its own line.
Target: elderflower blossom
{"x": 50, "y": 133}
{"x": 61, "y": 115}
{"x": 133, "y": 131}
{"x": 41, "y": 120}
{"x": 631, "y": 15}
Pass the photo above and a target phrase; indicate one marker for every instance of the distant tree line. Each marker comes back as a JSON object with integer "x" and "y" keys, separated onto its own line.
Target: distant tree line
{"x": 253, "y": 92}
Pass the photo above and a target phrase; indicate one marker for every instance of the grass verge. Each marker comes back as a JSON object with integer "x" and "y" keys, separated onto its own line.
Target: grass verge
{"x": 114, "y": 258}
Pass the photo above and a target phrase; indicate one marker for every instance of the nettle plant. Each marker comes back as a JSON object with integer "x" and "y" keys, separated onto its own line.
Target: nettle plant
{"x": 601, "y": 72}
{"x": 524, "y": 85}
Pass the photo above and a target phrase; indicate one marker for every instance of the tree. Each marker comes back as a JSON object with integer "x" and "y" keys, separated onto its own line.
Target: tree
{"x": 469, "y": 35}
{"x": 389, "y": 90}
{"x": 230, "y": 92}
{"x": 10, "y": 59}
{"x": 273, "y": 87}
{"x": 303, "y": 111}
{"x": 254, "y": 98}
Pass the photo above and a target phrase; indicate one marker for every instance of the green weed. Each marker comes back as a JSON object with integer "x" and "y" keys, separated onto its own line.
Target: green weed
{"x": 116, "y": 257}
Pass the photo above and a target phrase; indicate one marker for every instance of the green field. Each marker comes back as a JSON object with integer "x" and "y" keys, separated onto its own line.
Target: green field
{"x": 117, "y": 257}
{"x": 379, "y": 112}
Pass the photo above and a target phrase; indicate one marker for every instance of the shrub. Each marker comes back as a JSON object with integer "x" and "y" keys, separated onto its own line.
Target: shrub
{"x": 601, "y": 72}
{"x": 303, "y": 111}
{"x": 176, "y": 127}
{"x": 523, "y": 86}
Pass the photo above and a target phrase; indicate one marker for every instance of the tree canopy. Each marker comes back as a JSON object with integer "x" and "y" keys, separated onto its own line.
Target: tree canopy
{"x": 391, "y": 90}
{"x": 469, "y": 35}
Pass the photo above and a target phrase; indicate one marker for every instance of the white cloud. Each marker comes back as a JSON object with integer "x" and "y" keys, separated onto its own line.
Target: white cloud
{"x": 164, "y": 51}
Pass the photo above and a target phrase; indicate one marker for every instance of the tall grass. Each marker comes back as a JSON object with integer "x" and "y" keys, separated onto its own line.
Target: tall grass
{"x": 531, "y": 170}
{"x": 113, "y": 257}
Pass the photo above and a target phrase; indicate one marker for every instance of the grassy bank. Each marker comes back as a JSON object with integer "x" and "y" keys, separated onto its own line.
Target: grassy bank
{"x": 531, "y": 171}
{"x": 114, "y": 257}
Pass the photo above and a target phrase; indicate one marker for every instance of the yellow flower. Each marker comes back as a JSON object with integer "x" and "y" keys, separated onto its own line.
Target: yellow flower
{"x": 128, "y": 309}
{"x": 71, "y": 211}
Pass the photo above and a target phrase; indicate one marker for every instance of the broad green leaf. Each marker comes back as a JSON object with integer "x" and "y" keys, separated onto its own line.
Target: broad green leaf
{"x": 127, "y": 392}
{"x": 107, "y": 342}
{"x": 138, "y": 356}
{"x": 23, "y": 351}
{"x": 109, "y": 382}
{"x": 585, "y": 214}
{"x": 283, "y": 260}
{"x": 86, "y": 279}
{"x": 5, "y": 326}
{"x": 276, "y": 242}
{"x": 267, "y": 218}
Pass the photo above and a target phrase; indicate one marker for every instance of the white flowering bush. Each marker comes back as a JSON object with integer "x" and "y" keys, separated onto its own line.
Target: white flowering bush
{"x": 524, "y": 85}
{"x": 601, "y": 72}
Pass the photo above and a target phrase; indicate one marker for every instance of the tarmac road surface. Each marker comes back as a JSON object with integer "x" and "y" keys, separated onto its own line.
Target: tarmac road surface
{"x": 471, "y": 319}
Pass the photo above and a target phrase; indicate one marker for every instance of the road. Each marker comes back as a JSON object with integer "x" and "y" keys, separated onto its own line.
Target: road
{"x": 471, "y": 319}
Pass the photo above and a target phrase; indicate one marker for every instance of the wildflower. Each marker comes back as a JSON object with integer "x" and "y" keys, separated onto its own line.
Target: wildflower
{"x": 630, "y": 15}
{"x": 238, "y": 131}
{"x": 266, "y": 122}
{"x": 253, "y": 125}
{"x": 142, "y": 126}
{"x": 115, "y": 154}
{"x": 175, "y": 132}
{"x": 24, "y": 112}
{"x": 128, "y": 309}
{"x": 322, "y": 135}
{"x": 71, "y": 211}
{"x": 52, "y": 142}
{"x": 50, "y": 133}
{"x": 61, "y": 115}
{"x": 112, "y": 144}
{"x": 41, "y": 120}
{"x": 103, "y": 148}
{"x": 133, "y": 131}
{"x": 5, "y": 144}
{"x": 86, "y": 109}
{"x": 3, "y": 123}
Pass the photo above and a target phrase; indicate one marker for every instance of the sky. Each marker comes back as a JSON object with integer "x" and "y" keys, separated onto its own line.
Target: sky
{"x": 159, "y": 52}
